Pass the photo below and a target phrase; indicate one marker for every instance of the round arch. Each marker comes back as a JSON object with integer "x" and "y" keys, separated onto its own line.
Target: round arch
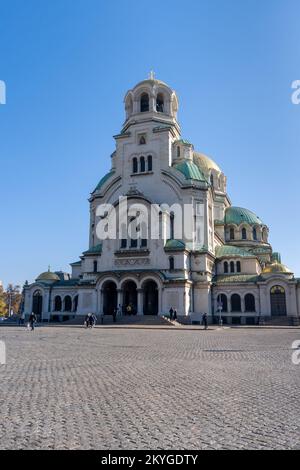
{"x": 37, "y": 304}
{"x": 150, "y": 297}
{"x": 129, "y": 289}
{"x": 110, "y": 297}
{"x": 278, "y": 300}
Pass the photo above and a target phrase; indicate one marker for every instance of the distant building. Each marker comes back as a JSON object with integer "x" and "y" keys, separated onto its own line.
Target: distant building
{"x": 228, "y": 269}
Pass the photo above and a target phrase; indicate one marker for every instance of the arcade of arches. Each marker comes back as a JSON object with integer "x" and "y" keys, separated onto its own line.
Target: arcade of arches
{"x": 131, "y": 299}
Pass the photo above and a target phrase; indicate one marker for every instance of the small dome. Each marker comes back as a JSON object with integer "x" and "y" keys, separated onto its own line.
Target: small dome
{"x": 276, "y": 267}
{"x": 239, "y": 215}
{"x": 48, "y": 276}
{"x": 205, "y": 163}
{"x": 190, "y": 171}
{"x": 151, "y": 81}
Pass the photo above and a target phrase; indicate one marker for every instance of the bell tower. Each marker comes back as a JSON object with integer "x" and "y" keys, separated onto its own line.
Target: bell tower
{"x": 151, "y": 100}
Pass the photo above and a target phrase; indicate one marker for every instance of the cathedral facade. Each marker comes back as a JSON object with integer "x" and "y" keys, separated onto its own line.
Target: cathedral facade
{"x": 225, "y": 266}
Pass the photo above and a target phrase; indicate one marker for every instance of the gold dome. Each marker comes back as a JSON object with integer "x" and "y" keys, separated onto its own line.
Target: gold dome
{"x": 205, "y": 163}
{"x": 276, "y": 267}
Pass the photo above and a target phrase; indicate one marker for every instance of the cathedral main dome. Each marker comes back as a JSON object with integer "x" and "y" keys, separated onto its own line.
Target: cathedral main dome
{"x": 239, "y": 215}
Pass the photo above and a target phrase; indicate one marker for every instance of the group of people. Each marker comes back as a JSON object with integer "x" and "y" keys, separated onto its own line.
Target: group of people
{"x": 90, "y": 320}
{"x": 173, "y": 316}
{"x": 173, "y": 313}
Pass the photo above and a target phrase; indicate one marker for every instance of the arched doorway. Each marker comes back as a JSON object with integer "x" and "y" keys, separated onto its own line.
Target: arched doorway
{"x": 236, "y": 305}
{"x": 278, "y": 301}
{"x": 150, "y": 298}
{"x": 109, "y": 297}
{"x": 37, "y": 304}
{"x": 130, "y": 296}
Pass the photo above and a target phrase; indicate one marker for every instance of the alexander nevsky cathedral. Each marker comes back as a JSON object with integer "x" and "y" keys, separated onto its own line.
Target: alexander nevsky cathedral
{"x": 227, "y": 268}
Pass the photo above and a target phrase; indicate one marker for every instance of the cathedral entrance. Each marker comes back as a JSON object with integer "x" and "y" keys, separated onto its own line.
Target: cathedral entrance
{"x": 278, "y": 301}
{"x": 109, "y": 297}
{"x": 130, "y": 297}
{"x": 37, "y": 305}
{"x": 150, "y": 298}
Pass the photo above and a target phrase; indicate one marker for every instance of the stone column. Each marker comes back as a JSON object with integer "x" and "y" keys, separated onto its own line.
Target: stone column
{"x": 101, "y": 292}
{"x": 119, "y": 297}
{"x": 140, "y": 301}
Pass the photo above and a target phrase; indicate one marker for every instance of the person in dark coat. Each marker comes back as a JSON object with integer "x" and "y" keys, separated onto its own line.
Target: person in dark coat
{"x": 115, "y": 315}
{"x": 204, "y": 320}
{"x": 32, "y": 320}
{"x": 175, "y": 314}
{"x": 171, "y": 311}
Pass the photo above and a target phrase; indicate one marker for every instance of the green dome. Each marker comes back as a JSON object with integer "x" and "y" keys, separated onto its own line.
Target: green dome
{"x": 174, "y": 245}
{"x": 103, "y": 180}
{"x": 190, "y": 171}
{"x": 230, "y": 250}
{"x": 48, "y": 276}
{"x": 238, "y": 215}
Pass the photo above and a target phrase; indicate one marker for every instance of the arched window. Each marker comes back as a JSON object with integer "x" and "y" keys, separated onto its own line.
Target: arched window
{"x": 172, "y": 226}
{"x": 142, "y": 165}
{"x": 222, "y": 303}
{"x": 244, "y": 234}
{"x": 232, "y": 234}
{"x": 75, "y": 303}
{"x": 160, "y": 103}
{"x": 95, "y": 266}
{"x": 178, "y": 152}
{"x": 57, "y": 304}
{"x": 238, "y": 267}
{"x": 149, "y": 162}
{"x": 249, "y": 303}
{"x": 225, "y": 267}
{"x": 212, "y": 180}
{"x": 142, "y": 140}
{"x": 134, "y": 165}
{"x": 171, "y": 263}
{"x": 236, "y": 305}
{"x": 67, "y": 304}
{"x": 254, "y": 233}
{"x": 144, "y": 103}
{"x": 232, "y": 267}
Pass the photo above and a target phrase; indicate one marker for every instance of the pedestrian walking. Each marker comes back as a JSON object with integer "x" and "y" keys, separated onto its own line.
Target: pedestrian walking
{"x": 94, "y": 319}
{"x": 171, "y": 311}
{"x": 175, "y": 314}
{"x": 204, "y": 320}
{"x": 32, "y": 321}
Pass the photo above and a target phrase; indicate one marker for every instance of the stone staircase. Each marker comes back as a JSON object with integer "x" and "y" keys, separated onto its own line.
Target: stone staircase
{"x": 282, "y": 320}
{"x": 140, "y": 320}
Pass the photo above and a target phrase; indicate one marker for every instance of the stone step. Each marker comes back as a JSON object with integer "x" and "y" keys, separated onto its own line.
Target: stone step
{"x": 124, "y": 320}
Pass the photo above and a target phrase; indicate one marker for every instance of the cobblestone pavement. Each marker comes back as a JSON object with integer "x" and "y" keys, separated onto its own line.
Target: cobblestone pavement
{"x": 70, "y": 388}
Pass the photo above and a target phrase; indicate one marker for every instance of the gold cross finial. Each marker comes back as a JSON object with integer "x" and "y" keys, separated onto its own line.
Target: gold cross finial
{"x": 152, "y": 75}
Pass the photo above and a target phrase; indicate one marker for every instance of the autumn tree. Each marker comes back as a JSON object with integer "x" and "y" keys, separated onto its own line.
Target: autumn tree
{"x": 12, "y": 297}
{"x": 3, "y": 309}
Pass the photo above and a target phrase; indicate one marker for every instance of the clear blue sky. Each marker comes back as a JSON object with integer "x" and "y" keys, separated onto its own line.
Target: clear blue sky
{"x": 67, "y": 65}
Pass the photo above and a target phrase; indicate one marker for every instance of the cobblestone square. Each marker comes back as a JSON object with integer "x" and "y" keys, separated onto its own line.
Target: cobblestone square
{"x": 134, "y": 388}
